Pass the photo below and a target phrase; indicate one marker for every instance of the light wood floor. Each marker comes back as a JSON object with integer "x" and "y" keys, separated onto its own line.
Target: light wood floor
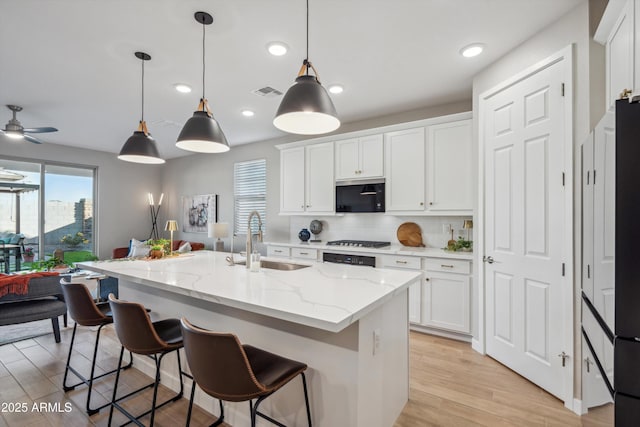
{"x": 451, "y": 385}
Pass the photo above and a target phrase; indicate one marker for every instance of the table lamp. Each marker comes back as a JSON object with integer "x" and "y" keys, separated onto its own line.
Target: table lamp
{"x": 467, "y": 225}
{"x": 219, "y": 230}
{"x": 171, "y": 226}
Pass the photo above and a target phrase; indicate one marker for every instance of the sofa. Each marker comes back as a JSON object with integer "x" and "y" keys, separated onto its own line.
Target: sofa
{"x": 124, "y": 251}
{"x": 31, "y": 297}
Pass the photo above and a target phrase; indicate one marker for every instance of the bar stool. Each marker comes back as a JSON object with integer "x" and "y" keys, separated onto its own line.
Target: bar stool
{"x": 228, "y": 370}
{"x": 86, "y": 312}
{"x": 139, "y": 335}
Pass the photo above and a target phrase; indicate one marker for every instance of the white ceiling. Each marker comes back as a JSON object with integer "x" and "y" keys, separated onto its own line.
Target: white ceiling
{"x": 71, "y": 63}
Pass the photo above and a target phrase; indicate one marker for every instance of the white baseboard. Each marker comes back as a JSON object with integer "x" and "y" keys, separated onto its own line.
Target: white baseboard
{"x": 440, "y": 333}
{"x": 577, "y": 407}
{"x": 477, "y": 346}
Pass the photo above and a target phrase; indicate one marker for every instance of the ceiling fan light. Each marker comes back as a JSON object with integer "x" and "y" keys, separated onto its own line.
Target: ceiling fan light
{"x": 202, "y": 134}
{"x": 140, "y": 148}
{"x": 14, "y": 134}
{"x": 306, "y": 109}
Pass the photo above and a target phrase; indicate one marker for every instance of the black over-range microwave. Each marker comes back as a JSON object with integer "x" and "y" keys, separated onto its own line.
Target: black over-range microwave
{"x": 360, "y": 196}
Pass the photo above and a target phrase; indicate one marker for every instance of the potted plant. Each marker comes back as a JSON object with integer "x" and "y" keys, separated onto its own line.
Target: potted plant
{"x": 162, "y": 245}
{"x": 52, "y": 263}
{"x": 28, "y": 254}
{"x": 74, "y": 240}
{"x": 157, "y": 251}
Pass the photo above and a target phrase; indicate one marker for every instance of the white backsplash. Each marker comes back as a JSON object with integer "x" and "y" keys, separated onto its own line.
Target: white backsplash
{"x": 380, "y": 227}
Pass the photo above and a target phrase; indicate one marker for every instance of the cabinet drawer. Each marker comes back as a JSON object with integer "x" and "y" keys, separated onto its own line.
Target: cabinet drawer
{"x": 399, "y": 261}
{"x": 278, "y": 251}
{"x": 304, "y": 253}
{"x": 448, "y": 265}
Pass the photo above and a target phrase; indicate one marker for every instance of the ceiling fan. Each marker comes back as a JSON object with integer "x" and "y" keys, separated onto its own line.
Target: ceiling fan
{"x": 15, "y": 130}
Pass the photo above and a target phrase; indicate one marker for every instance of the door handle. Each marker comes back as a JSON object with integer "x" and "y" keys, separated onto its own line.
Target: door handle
{"x": 488, "y": 259}
{"x": 564, "y": 357}
{"x": 588, "y": 362}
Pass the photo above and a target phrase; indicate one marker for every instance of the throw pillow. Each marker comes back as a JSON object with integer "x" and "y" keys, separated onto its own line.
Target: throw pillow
{"x": 185, "y": 247}
{"x": 138, "y": 248}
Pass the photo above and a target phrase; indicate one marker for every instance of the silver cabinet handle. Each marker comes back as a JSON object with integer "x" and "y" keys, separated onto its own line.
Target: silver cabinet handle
{"x": 277, "y": 251}
{"x": 446, "y": 266}
{"x": 400, "y": 262}
{"x": 304, "y": 253}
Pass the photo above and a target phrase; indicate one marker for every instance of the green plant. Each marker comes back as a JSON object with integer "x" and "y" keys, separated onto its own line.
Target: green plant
{"x": 461, "y": 244}
{"x": 161, "y": 244}
{"x": 74, "y": 240}
{"x": 46, "y": 265}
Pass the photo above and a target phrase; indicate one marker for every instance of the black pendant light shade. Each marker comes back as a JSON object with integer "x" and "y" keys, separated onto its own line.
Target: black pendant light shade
{"x": 307, "y": 109}
{"x": 140, "y": 147}
{"x": 202, "y": 133}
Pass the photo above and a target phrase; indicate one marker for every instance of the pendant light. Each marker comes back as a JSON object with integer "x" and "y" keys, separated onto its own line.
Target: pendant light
{"x": 306, "y": 108}
{"x": 202, "y": 133}
{"x": 140, "y": 147}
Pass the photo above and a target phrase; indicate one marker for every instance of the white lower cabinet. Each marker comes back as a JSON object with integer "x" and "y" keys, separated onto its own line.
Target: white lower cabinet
{"x": 446, "y": 299}
{"x": 415, "y": 290}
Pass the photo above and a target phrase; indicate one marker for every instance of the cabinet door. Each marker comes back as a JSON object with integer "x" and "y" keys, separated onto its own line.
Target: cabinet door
{"x": 619, "y": 55}
{"x": 446, "y": 301}
{"x": 415, "y": 302}
{"x": 404, "y": 163}
{"x": 371, "y": 156}
{"x": 292, "y": 180}
{"x": 320, "y": 183}
{"x": 449, "y": 168}
{"x": 347, "y": 159}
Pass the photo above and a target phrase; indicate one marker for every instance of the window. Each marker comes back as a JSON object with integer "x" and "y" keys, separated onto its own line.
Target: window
{"x": 250, "y": 194}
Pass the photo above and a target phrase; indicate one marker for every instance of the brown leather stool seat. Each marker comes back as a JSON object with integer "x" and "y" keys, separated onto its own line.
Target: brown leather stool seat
{"x": 139, "y": 335}
{"x": 227, "y": 370}
{"x": 85, "y": 312}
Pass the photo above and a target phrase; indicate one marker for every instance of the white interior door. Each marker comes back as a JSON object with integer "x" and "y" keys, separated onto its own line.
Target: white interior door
{"x": 526, "y": 306}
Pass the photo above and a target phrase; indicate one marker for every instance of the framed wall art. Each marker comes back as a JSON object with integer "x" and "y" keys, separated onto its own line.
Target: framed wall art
{"x": 198, "y": 212}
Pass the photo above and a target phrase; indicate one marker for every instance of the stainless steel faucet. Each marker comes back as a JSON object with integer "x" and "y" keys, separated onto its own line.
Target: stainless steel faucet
{"x": 250, "y": 235}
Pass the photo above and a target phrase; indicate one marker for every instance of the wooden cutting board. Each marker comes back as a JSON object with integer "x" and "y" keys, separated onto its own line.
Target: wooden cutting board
{"x": 410, "y": 234}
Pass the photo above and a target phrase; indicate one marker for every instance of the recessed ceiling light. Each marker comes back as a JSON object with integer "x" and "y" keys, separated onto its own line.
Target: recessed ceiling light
{"x": 472, "y": 50}
{"x": 248, "y": 113}
{"x": 182, "y": 88}
{"x": 336, "y": 89}
{"x": 277, "y": 48}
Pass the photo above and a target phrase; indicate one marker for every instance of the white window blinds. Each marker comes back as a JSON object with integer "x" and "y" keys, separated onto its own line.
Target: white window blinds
{"x": 250, "y": 194}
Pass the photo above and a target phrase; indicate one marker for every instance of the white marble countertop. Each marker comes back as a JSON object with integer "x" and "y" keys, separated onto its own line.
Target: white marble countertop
{"x": 325, "y": 295}
{"x": 394, "y": 249}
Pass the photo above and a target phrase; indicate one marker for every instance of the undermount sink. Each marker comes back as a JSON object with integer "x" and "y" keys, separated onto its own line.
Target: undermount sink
{"x": 278, "y": 265}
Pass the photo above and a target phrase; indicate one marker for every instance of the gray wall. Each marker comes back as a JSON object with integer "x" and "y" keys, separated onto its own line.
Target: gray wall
{"x": 121, "y": 207}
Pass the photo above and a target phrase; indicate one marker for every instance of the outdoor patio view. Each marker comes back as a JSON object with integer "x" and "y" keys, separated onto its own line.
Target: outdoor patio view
{"x": 46, "y": 212}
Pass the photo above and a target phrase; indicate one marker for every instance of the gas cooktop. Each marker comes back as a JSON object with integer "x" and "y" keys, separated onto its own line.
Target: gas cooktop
{"x": 359, "y": 243}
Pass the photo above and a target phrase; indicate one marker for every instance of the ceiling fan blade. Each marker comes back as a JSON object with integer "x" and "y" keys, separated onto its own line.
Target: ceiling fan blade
{"x": 32, "y": 139}
{"x": 43, "y": 129}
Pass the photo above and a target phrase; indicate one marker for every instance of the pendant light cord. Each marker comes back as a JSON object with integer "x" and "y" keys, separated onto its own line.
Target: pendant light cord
{"x": 203, "y": 62}
{"x": 307, "y": 59}
{"x": 142, "y": 117}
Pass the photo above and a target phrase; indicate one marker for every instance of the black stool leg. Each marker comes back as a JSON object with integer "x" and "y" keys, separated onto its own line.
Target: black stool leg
{"x": 65, "y": 387}
{"x": 56, "y": 328}
{"x": 115, "y": 388}
{"x": 306, "y": 397}
{"x": 193, "y": 393}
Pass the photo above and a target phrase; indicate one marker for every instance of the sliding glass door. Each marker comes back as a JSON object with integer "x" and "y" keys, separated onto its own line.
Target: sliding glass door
{"x": 49, "y": 206}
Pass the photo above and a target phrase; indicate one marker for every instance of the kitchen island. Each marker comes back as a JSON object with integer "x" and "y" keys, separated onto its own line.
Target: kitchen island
{"x": 348, "y": 323}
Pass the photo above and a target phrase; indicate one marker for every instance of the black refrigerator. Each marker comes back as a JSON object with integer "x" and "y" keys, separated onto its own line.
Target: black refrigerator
{"x": 627, "y": 266}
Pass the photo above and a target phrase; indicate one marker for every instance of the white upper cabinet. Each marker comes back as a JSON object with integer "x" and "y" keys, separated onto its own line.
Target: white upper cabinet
{"x": 359, "y": 158}
{"x": 405, "y": 167}
{"x": 319, "y": 180}
{"x": 620, "y": 33}
{"x": 306, "y": 180}
{"x": 449, "y": 167}
{"x": 292, "y": 180}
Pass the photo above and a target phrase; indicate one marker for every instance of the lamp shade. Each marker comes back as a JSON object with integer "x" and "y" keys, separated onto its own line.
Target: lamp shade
{"x": 140, "y": 148}
{"x": 219, "y": 230}
{"x": 467, "y": 224}
{"x": 202, "y": 134}
{"x": 171, "y": 225}
{"x": 306, "y": 109}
